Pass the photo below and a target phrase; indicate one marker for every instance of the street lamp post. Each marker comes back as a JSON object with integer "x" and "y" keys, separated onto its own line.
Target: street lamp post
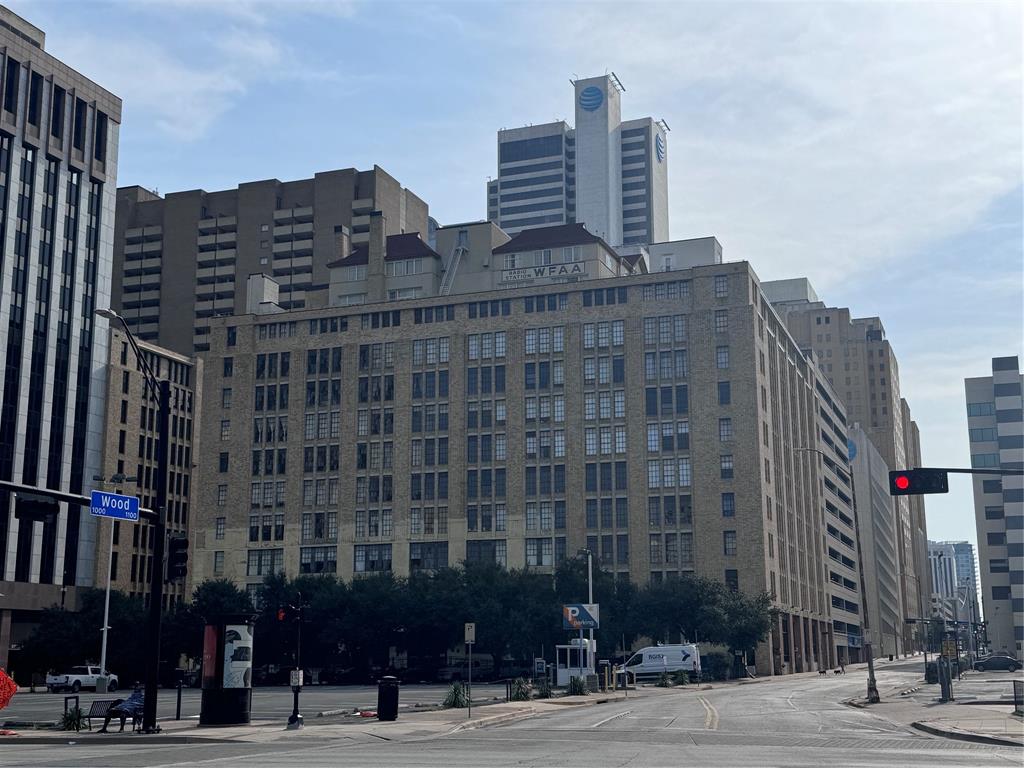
{"x": 156, "y": 584}
{"x": 590, "y": 600}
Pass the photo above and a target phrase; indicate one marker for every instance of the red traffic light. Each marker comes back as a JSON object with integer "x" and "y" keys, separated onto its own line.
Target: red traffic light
{"x": 914, "y": 482}
{"x": 282, "y": 614}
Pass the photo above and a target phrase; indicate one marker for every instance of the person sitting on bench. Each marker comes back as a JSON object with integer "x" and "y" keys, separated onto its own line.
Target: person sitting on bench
{"x": 125, "y": 708}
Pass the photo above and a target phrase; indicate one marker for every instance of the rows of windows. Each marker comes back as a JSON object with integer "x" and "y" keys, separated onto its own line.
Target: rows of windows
{"x": 676, "y": 289}
{"x": 604, "y": 405}
{"x": 319, "y": 525}
{"x": 673, "y": 549}
{"x": 485, "y": 484}
{"x": 485, "y": 518}
{"x": 485, "y": 345}
{"x": 604, "y": 440}
{"x": 668, "y": 473}
{"x": 320, "y": 492}
{"x": 428, "y": 521}
{"x": 604, "y": 334}
{"x": 430, "y": 351}
{"x": 439, "y": 314}
{"x": 321, "y": 361}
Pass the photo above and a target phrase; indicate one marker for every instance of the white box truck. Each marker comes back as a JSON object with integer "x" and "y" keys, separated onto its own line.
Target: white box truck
{"x": 652, "y": 661}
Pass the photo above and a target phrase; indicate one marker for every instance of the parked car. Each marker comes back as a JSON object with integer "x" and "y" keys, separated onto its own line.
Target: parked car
{"x": 998, "y": 660}
{"x": 78, "y": 678}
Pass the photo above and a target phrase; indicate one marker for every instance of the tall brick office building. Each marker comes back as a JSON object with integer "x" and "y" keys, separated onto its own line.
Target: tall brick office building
{"x": 653, "y": 418}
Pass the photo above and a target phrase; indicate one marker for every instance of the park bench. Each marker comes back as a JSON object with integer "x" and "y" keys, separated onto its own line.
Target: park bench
{"x": 99, "y": 710}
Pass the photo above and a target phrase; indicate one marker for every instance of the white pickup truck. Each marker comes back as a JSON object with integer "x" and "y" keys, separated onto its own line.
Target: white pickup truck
{"x": 78, "y": 678}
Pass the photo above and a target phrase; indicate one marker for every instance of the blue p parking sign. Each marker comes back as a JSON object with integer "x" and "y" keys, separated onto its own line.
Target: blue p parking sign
{"x": 581, "y": 616}
{"x": 114, "y": 505}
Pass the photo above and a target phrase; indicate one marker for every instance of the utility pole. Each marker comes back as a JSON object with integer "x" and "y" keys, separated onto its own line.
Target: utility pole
{"x": 161, "y": 388}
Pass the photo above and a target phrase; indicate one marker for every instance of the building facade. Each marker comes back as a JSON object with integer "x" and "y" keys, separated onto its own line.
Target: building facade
{"x": 996, "y": 431}
{"x": 839, "y": 514}
{"x": 58, "y": 170}
{"x": 859, "y": 362}
{"x": 608, "y": 174}
{"x": 183, "y": 258}
{"x": 876, "y": 521}
{"x": 945, "y": 580}
{"x": 653, "y": 419}
{"x": 130, "y": 460}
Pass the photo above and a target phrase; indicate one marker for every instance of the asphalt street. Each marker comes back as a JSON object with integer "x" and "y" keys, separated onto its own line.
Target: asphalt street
{"x": 797, "y": 721}
{"x": 272, "y": 703}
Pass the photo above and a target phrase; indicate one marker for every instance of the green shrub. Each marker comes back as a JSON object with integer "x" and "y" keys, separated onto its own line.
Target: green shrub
{"x": 680, "y": 677}
{"x": 520, "y": 690}
{"x": 715, "y": 665}
{"x": 577, "y": 687}
{"x": 664, "y": 681}
{"x": 457, "y": 697}
{"x": 544, "y": 688}
{"x": 72, "y": 720}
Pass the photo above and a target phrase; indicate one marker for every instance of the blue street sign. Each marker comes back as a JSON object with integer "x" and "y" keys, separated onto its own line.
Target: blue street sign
{"x": 114, "y": 505}
{"x": 581, "y": 616}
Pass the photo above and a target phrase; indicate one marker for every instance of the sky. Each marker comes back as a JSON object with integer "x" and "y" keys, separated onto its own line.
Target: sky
{"x": 875, "y": 148}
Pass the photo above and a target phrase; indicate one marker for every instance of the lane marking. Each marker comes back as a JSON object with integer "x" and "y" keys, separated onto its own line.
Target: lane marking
{"x": 711, "y": 715}
{"x": 609, "y": 719}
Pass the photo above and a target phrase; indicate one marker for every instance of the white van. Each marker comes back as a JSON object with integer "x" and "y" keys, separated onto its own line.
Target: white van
{"x": 653, "y": 660}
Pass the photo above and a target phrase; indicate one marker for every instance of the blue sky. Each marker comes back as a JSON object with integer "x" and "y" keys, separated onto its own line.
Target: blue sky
{"x": 873, "y": 147}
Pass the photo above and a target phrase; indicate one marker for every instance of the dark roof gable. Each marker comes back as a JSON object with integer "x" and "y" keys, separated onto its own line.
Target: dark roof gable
{"x": 557, "y": 236}
{"x": 396, "y": 248}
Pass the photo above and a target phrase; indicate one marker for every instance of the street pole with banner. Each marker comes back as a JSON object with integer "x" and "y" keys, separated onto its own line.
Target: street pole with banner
{"x": 470, "y": 639}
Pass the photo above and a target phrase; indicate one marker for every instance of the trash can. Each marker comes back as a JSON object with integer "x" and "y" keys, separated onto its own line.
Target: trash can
{"x": 387, "y": 698}
{"x": 931, "y": 673}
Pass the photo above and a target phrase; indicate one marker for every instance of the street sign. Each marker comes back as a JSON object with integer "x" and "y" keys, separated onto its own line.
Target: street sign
{"x": 114, "y": 505}
{"x": 295, "y": 678}
{"x": 949, "y": 648}
{"x": 470, "y": 632}
{"x": 540, "y": 667}
{"x": 581, "y": 616}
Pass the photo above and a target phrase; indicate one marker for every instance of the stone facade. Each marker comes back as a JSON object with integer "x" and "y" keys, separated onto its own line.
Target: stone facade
{"x": 129, "y": 449}
{"x": 652, "y": 418}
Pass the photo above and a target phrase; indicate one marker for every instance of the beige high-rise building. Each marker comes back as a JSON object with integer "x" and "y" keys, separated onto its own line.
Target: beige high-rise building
{"x": 859, "y": 363}
{"x": 183, "y": 258}
{"x": 130, "y": 463}
{"x": 658, "y": 419}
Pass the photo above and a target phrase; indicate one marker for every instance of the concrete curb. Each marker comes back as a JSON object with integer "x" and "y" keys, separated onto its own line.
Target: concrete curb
{"x": 93, "y": 738}
{"x": 483, "y": 722}
{"x": 959, "y": 735}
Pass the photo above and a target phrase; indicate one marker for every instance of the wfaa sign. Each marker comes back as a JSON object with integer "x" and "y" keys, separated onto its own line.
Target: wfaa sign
{"x": 581, "y": 616}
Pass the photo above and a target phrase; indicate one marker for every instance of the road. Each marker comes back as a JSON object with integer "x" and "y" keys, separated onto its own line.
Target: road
{"x": 271, "y": 703}
{"x": 797, "y": 721}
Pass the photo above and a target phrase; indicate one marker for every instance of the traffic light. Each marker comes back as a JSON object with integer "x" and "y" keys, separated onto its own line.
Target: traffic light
{"x": 177, "y": 557}
{"x": 914, "y": 482}
{"x": 289, "y": 612}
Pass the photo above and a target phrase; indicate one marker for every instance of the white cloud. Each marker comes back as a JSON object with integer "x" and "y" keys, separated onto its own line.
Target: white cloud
{"x": 817, "y": 140}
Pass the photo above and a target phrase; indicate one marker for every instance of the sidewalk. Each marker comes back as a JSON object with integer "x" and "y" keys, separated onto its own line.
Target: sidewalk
{"x": 410, "y": 725}
{"x": 968, "y": 721}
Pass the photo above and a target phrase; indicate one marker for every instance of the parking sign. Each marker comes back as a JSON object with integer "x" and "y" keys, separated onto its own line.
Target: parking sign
{"x": 581, "y": 616}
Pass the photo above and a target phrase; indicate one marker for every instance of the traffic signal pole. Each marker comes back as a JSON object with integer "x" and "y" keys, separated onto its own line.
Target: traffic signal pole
{"x": 156, "y": 582}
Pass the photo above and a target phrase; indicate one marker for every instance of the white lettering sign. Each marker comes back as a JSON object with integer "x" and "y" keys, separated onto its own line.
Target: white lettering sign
{"x": 543, "y": 272}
